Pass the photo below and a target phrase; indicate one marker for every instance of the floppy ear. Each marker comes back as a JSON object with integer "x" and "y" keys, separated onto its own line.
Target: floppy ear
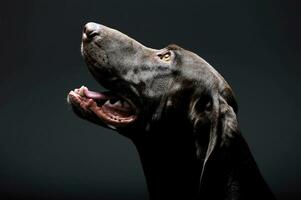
{"x": 228, "y": 169}
{"x": 215, "y": 125}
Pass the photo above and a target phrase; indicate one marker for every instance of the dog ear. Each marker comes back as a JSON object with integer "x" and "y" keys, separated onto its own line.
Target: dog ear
{"x": 227, "y": 163}
{"x": 215, "y": 127}
{"x": 224, "y": 131}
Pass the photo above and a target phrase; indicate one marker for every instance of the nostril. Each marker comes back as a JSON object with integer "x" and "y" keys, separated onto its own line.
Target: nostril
{"x": 91, "y": 34}
{"x": 91, "y": 30}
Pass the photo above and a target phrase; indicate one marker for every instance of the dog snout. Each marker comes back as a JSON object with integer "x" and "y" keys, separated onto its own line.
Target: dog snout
{"x": 91, "y": 30}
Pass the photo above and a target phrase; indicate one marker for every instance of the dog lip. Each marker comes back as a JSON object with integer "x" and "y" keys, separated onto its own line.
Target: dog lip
{"x": 118, "y": 114}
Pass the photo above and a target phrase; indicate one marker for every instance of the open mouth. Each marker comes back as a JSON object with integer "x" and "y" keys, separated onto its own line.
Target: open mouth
{"x": 111, "y": 108}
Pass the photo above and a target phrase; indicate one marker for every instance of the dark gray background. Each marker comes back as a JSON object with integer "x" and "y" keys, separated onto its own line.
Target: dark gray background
{"x": 48, "y": 153}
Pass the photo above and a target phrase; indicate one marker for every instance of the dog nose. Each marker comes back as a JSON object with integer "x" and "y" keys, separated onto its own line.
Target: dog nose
{"x": 91, "y": 30}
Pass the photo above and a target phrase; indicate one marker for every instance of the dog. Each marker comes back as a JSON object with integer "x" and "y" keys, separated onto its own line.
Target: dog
{"x": 178, "y": 111}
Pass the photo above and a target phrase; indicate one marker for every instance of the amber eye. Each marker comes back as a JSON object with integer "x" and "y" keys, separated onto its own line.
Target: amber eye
{"x": 165, "y": 57}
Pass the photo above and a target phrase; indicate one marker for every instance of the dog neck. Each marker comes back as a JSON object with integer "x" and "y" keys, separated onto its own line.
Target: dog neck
{"x": 170, "y": 164}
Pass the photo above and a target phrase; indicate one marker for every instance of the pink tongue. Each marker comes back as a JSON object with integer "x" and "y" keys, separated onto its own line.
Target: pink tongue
{"x": 94, "y": 95}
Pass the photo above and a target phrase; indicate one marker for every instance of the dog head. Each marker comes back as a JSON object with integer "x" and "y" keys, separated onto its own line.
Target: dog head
{"x": 145, "y": 84}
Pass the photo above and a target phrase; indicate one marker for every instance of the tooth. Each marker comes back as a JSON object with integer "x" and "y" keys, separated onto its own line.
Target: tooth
{"x": 117, "y": 103}
{"x": 81, "y": 91}
{"x": 107, "y": 102}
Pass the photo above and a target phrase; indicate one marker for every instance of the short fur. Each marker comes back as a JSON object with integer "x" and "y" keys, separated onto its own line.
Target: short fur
{"x": 187, "y": 132}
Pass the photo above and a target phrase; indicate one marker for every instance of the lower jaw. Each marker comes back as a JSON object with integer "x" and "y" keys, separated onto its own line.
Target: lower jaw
{"x": 113, "y": 120}
{"x": 103, "y": 113}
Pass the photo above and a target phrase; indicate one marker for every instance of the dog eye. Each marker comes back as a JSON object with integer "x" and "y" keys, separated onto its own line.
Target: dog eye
{"x": 165, "y": 57}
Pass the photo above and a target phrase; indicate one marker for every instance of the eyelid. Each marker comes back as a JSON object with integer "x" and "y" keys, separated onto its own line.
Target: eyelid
{"x": 166, "y": 56}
